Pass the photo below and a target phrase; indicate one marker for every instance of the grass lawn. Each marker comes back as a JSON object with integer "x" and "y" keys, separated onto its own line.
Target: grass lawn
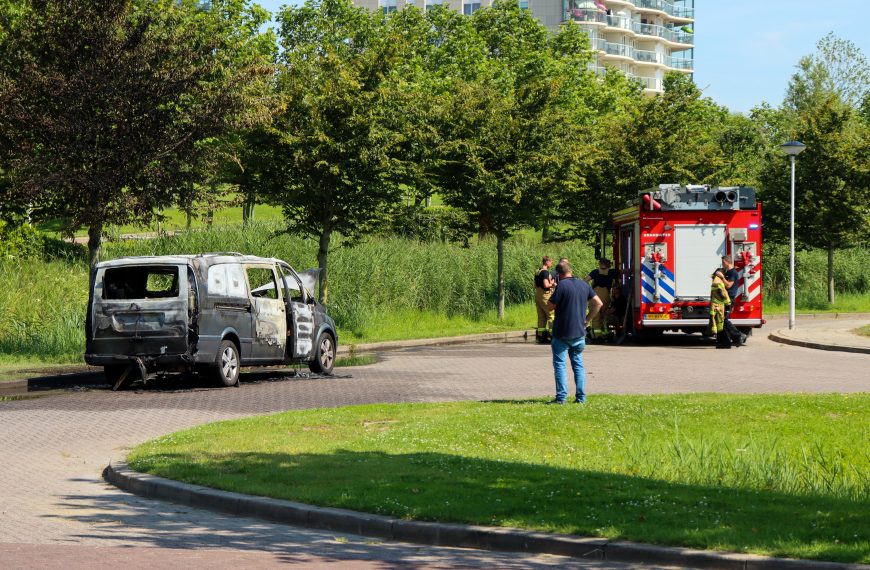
{"x": 843, "y": 303}
{"x": 782, "y": 475}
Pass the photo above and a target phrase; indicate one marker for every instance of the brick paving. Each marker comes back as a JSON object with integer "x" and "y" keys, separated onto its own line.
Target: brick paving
{"x": 56, "y": 510}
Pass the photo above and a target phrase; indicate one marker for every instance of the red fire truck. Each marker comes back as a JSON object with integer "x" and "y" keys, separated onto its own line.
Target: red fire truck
{"x": 668, "y": 243}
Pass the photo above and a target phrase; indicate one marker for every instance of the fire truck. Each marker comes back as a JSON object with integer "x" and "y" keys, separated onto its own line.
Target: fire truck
{"x": 666, "y": 246}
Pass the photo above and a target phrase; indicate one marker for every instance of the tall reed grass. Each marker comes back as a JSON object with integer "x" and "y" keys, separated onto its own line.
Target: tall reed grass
{"x": 42, "y": 303}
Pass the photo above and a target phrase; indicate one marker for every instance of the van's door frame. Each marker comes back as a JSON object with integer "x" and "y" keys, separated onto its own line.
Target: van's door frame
{"x": 300, "y": 318}
{"x": 269, "y": 316}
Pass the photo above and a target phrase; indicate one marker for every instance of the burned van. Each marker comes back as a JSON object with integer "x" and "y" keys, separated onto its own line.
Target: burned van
{"x": 213, "y": 312}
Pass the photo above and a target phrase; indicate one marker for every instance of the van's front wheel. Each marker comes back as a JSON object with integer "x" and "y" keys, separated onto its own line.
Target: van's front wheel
{"x": 226, "y": 364}
{"x": 324, "y": 357}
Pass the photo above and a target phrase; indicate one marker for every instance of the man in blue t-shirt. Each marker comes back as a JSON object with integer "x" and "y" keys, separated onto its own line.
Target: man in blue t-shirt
{"x": 569, "y": 330}
{"x": 731, "y": 279}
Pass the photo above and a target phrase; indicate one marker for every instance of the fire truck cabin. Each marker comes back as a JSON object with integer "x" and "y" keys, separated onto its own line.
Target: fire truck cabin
{"x": 667, "y": 245}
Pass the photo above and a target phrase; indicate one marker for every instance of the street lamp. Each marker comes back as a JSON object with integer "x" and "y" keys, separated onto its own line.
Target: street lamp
{"x": 792, "y": 149}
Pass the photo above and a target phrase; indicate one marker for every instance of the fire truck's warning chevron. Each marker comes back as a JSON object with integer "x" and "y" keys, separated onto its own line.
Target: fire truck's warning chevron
{"x": 753, "y": 280}
{"x": 664, "y": 293}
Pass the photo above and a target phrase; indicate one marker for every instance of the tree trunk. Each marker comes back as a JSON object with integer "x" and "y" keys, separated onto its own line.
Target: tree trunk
{"x": 248, "y": 208}
{"x": 545, "y": 232}
{"x": 95, "y": 237}
{"x": 831, "y": 274}
{"x": 322, "y": 260}
{"x": 500, "y": 247}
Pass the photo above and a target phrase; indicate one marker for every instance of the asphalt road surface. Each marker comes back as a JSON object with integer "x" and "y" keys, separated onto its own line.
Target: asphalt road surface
{"x": 56, "y": 511}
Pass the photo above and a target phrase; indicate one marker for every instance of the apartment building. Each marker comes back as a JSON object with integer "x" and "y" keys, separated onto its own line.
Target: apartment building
{"x": 642, "y": 38}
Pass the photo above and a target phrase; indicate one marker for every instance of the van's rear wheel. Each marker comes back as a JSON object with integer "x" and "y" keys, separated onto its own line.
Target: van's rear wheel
{"x": 226, "y": 364}
{"x": 324, "y": 357}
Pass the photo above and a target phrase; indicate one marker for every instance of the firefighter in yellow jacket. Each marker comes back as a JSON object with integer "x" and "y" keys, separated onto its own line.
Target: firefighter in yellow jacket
{"x": 718, "y": 299}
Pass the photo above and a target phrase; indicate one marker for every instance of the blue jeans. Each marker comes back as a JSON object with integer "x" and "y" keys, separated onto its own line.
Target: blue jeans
{"x": 561, "y": 349}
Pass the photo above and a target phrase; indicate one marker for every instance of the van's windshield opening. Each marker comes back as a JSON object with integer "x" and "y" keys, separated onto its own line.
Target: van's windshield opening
{"x": 151, "y": 282}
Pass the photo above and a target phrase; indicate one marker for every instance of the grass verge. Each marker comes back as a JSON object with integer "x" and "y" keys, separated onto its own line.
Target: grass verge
{"x": 782, "y": 475}
{"x": 843, "y": 303}
{"x": 863, "y": 331}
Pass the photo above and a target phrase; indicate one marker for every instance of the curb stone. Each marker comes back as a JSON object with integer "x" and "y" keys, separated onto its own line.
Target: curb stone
{"x": 783, "y": 337}
{"x": 445, "y": 534}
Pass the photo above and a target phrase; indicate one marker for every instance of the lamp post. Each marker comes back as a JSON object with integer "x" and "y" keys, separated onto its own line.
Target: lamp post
{"x": 792, "y": 149}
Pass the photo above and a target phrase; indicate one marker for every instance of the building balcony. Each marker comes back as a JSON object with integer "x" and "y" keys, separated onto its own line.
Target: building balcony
{"x": 669, "y": 8}
{"x": 669, "y": 34}
{"x": 683, "y": 64}
{"x": 586, "y": 16}
{"x": 619, "y": 50}
{"x": 648, "y": 56}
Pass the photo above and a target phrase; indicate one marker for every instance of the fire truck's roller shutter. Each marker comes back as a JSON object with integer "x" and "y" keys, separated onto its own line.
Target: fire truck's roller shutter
{"x": 698, "y": 250}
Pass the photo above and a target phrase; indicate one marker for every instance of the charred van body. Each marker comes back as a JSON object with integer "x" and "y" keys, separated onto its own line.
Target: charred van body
{"x": 215, "y": 312}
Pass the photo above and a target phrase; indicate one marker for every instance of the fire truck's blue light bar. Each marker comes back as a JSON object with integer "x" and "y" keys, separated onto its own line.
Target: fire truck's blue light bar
{"x": 753, "y": 226}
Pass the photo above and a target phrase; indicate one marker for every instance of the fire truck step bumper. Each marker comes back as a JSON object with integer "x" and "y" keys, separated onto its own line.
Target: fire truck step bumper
{"x": 700, "y": 323}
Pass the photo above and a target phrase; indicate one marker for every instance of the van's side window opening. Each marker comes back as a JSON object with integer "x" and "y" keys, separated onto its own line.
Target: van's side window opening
{"x": 293, "y": 289}
{"x": 153, "y": 282}
{"x": 262, "y": 282}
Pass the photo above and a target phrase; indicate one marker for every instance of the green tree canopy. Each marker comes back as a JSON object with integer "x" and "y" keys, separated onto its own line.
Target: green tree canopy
{"x": 102, "y": 103}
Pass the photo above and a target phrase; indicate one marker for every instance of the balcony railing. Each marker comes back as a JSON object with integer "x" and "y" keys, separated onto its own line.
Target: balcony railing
{"x": 619, "y": 49}
{"x": 650, "y": 82}
{"x": 648, "y": 56}
{"x": 681, "y": 63}
{"x": 678, "y": 36}
{"x": 586, "y": 15}
{"x": 667, "y": 7}
{"x": 618, "y": 22}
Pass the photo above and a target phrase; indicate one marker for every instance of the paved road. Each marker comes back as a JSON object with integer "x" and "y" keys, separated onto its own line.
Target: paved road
{"x": 55, "y": 510}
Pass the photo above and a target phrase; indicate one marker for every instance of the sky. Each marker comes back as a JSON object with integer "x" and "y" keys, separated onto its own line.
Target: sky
{"x": 746, "y": 50}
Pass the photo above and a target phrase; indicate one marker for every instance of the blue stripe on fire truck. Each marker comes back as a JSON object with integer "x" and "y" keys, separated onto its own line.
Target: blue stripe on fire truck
{"x": 666, "y": 284}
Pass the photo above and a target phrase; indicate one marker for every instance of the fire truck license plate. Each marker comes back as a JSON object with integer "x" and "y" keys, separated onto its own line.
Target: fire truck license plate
{"x": 657, "y": 316}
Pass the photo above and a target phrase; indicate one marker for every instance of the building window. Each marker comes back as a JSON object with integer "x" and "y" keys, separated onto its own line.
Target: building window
{"x": 387, "y": 6}
{"x": 524, "y": 4}
{"x": 469, "y": 8}
{"x": 432, "y": 3}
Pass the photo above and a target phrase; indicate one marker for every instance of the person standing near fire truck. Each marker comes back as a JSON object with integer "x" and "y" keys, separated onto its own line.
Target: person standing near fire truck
{"x": 570, "y": 302}
{"x": 602, "y": 280}
{"x": 730, "y": 276}
{"x": 718, "y": 300}
{"x": 543, "y": 290}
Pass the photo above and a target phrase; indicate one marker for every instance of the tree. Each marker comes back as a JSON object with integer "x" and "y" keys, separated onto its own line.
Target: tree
{"x": 510, "y": 145}
{"x": 823, "y": 109}
{"x": 838, "y": 68}
{"x": 333, "y": 143}
{"x": 103, "y": 102}
{"x": 640, "y": 142}
{"x": 833, "y": 190}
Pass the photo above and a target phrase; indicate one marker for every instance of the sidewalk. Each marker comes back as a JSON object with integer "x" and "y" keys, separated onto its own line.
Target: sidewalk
{"x": 832, "y": 333}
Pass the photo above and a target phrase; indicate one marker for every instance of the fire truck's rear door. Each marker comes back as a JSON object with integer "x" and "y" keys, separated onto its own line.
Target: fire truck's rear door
{"x": 698, "y": 250}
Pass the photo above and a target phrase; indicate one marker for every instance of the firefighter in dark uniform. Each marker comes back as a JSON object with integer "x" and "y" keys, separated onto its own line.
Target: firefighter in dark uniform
{"x": 543, "y": 291}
